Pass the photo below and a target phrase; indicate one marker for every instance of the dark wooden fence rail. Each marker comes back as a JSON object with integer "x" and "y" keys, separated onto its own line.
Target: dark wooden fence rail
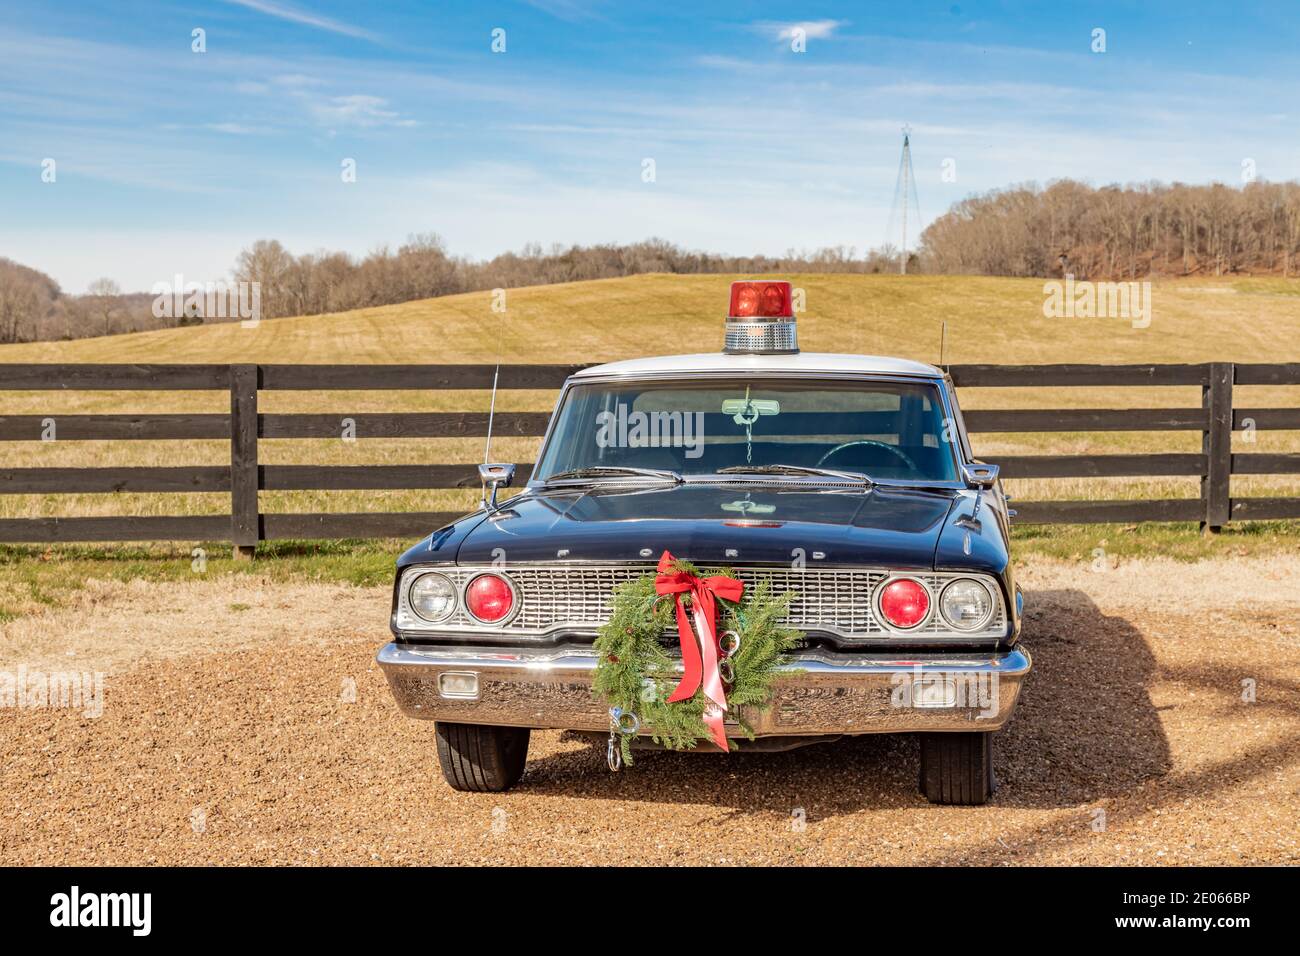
{"x": 1216, "y": 418}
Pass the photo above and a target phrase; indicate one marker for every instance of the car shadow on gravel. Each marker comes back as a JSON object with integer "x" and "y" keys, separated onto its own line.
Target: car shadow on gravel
{"x": 1085, "y": 728}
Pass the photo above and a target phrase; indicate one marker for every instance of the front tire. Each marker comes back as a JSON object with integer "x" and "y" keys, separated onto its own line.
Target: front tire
{"x": 957, "y": 768}
{"x": 481, "y": 759}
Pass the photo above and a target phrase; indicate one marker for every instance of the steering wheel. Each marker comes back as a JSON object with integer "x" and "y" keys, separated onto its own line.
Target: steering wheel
{"x": 867, "y": 441}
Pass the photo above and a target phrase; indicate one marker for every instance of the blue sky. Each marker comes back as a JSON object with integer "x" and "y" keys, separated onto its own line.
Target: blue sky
{"x": 170, "y": 161}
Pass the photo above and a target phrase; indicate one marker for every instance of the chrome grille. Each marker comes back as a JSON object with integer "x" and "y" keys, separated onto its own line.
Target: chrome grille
{"x": 826, "y": 599}
{"x": 838, "y": 600}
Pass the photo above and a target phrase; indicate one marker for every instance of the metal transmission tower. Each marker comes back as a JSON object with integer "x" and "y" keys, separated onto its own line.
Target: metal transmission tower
{"x": 906, "y": 210}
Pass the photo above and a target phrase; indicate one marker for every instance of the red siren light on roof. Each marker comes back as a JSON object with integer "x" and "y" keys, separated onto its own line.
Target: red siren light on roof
{"x": 760, "y": 319}
{"x": 767, "y": 299}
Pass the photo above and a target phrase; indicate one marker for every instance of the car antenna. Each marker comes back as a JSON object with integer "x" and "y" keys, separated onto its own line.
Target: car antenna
{"x": 484, "y": 471}
{"x": 943, "y": 340}
{"x": 492, "y": 409}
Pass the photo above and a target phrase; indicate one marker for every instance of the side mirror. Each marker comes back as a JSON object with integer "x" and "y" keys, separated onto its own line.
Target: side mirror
{"x": 494, "y": 476}
{"x": 979, "y": 475}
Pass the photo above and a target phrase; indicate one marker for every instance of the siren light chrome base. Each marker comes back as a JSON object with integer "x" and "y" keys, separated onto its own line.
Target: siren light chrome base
{"x": 761, "y": 336}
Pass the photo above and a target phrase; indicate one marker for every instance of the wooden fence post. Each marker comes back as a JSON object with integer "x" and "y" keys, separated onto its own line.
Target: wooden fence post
{"x": 1216, "y": 445}
{"x": 245, "y": 523}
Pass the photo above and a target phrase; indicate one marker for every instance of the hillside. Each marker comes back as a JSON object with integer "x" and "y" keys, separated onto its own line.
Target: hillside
{"x": 989, "y": 320}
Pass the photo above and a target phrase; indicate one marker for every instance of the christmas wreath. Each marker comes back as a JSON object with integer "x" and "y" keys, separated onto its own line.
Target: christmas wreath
{"x": 732, "y": 645}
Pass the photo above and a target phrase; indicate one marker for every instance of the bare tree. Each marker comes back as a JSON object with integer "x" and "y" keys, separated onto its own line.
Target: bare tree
{"x": 26, "y": 296}
{"x": 269, "y": 264}
{"x": 104, "y": 294}
{"x": 18, "y": 306}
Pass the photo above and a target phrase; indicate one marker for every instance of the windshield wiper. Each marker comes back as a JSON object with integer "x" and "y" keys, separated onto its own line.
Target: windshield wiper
{"x": 615, "y": 471}
{"x": 855, "y": 476}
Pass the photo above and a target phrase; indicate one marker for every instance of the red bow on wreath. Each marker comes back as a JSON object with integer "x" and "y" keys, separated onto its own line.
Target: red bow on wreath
{"x": 699, "y": 655}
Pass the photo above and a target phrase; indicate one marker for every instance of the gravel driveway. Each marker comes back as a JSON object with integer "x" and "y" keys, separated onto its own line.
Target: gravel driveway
{"x": 246, "y": 722}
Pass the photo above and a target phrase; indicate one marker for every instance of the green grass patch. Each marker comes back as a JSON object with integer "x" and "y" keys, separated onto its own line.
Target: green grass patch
{"x": 1182, "y": 541}
{"x": 1268, "y": 285}
{"x": 355, "y": 562}
{"x": 35, "y": 577}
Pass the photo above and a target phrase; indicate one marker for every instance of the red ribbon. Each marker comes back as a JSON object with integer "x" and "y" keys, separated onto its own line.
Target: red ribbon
{"x": 699, "y": 655}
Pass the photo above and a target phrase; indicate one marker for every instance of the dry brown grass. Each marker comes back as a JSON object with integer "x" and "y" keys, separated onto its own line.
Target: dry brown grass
{"x": 989, "y": 320}
{"x": 111, "y": 626}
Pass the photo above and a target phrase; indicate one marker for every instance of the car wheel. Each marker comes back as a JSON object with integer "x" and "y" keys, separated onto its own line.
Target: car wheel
{"x": 957, "y": 768}
{"x": 481, "y": 759}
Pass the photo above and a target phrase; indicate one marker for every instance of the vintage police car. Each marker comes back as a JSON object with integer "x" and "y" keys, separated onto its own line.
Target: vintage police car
{"x": 846, "y": 479}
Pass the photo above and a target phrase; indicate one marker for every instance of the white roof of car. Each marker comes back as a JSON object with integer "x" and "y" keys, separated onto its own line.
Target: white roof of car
{"x": 749, "y": 362}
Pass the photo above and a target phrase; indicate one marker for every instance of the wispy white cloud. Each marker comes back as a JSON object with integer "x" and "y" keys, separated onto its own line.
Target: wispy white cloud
{"x": 229, "y": 128}
{"x": 809, "y": 29}
{"x": 569, "y": 10}
{"x": 297, "y": 80}
{"x": 235, "y": 129}
{"x": 716, "y": 61}
{"x": 286, "y": 11}
{"x": 358, "y": 109}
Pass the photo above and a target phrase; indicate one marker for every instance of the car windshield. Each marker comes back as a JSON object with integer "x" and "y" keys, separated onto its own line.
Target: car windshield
{"x": 885, "y": 429}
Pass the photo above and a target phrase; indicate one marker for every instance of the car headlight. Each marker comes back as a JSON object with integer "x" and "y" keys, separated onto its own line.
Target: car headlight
{"x": 432, "y": 597}
{"x": 966, "y": 604}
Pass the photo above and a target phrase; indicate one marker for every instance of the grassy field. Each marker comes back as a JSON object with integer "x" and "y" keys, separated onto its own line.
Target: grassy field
{"x": 988, "y": 320}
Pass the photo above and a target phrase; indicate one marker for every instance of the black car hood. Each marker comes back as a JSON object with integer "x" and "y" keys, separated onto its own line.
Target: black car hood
{"x": 716, "y": 524}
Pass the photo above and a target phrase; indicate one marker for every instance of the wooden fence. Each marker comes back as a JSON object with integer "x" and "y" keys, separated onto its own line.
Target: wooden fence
{"x": 1215, "y": 418}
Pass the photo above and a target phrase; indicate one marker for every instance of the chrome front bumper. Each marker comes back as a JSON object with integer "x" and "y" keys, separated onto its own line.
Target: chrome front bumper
{"x": 820, "y": 694}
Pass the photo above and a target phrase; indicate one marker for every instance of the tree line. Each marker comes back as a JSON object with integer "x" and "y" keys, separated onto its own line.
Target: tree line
{"x": 422, "y": 268}
{"x": 1109, "y": 232}
{"x": 1119, "y": 232}
{"x": 322, "y": 282}
{"x": 34, "y": 308}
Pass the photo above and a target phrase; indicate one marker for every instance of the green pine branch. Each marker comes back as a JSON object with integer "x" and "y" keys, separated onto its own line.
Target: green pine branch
{"x": 636, "y": 673}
